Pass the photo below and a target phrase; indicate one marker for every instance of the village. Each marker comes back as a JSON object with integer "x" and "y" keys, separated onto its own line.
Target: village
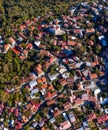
{"x": 68, "y": 87}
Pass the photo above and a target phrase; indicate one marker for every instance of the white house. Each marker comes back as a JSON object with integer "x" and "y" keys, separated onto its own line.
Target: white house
{"x": 53, "y": 77}
{"x": 96, "y": 92}
{"x": 37, "y": 43}
{"x": 33, "y": 83}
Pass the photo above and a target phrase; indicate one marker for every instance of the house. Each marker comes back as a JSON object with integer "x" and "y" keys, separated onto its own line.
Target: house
{"x": 1, "y": 108}
{"x": 38, "y": 70}
{"x": 52, "y": 59}
{"x": 50, "y": 95}
{"x": 96, "y": 92}
{"x": 70, "y": 80}
{"x": 78, "y": 65}
{"x": 11, "y": 110}
{"x": 90, "y": 42}
{"x": 22, "y": 57}
{"x": 12, "y": 41}
{"x": 6, "y": 47}
{"x": 81, "y": 128}
{"x": 58, "y": 30}
{"x": 34, "y": 90}
{"x": 22, "y": 36}
{"x": 28, "y": 22}
{"x": 65, "y": 75}
{"x": 18, "y": 125}
{"x": 41, "y": 123}
{"x": 32, "y": 84}
{"x": 25, "y": 52}
{"x": 46, "y": 65}
{"x": 102, "y": 118}
{"x": 44, "y": 52}
{"x": 105, "y": 101}
{"x": 29, "y": 46}
{"x": 78, "y": 101}
{"x": 23, "y": 27}
{"x": 61, "y": 69}
{"x": 67, "y": 106}
{"x": 15, "y": 50}
{"x": 28, "y": 106}
{"x": 63, "y": 81}
{"x": 43, "y": 79}
{"x": 43, "y": 89}
{"x": 42, "y": 46}
{"x": 71, "y": 43}
{"x": 37, "y": 43}
{"x": 49, "y": 103}
{"x": 85, "y": 124}
{"x": 24, "y": 119}
{"x": 85, "y": 73}
{"x": 39, "y": 73}
{"x": 65, "y": 125}
{"x": 93, "y": 76}
{"x": 90, "y": 31}
{"x": 20, "y": 39}
{"x": 62, "y": 55}
{"x": 43, "y": 128}
{"x": 34, "y": 124}
{"x": 72, "y": 117}
{"x": 57, "y": 112}
{"x": 16, "y": 112}
{"x": 91, "y": 116}
{"x": 53, "y": 77}
{"x": 54, "y": 42}
{"x": 52, "y": 120}
{"x": 39, "y": 81}
{"x": 11, "y": 123}
{"x": 33, "y": 106}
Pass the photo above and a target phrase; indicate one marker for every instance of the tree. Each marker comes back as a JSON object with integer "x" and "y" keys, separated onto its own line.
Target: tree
{"x": 3, "y": 96}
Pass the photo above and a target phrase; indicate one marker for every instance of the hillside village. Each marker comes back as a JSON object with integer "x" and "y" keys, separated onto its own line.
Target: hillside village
{"x": 67, "y": 89}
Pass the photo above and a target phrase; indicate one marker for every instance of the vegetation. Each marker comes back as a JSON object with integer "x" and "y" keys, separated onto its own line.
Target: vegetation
{"x": 13, "y": 69}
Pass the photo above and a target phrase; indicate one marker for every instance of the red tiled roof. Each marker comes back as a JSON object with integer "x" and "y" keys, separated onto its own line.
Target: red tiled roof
{"x": 46, "y": 64}
{"x": 11, "y": 110}
{"x": 15, "y": 51}
{"x": 43, "y": 79}
{"x": 22, "y": 27}
{"x": 6, "y": 47}
{"x": 16, "y": 112}
{"x": 93, "y": 76}
{"x": 25, "y": 52}
{"x": 71, "y": 43}
{"x": 23, "y": 36}
{"x": 63, "y": 81}
{"x": 11, "y": 40}
{"x": 65, "y": 125}
{"x": 90, "y": 30}
{"x": 102, "y": 118}
{"x": 91, "y": 117}
{"x": 22, "y": 57}
{"x": 50, "y": 102}
{"x": 29, "y": 46}
{"x": 18, "y": 125}
{"x": 90, "y": 42}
